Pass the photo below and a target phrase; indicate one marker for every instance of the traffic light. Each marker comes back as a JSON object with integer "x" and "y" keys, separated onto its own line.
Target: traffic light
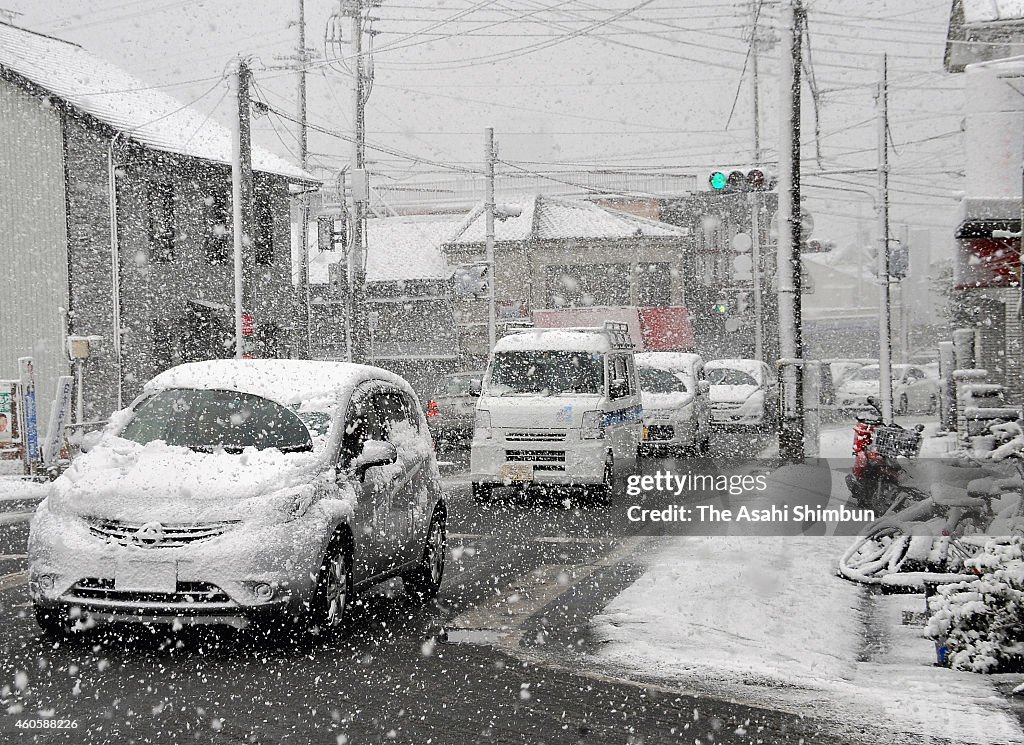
{"x": 738, "y": 181}
{"x": 721, "y": 307}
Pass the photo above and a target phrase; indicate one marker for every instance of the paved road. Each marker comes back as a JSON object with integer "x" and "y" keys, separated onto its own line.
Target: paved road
{"x": 491, "y": 662}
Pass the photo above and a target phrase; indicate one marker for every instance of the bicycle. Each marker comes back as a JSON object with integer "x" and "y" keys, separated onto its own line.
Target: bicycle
{"x": 875, "y": 482}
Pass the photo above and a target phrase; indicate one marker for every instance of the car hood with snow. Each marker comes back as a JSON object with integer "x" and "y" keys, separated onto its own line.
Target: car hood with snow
{"x": 733, "y": 393}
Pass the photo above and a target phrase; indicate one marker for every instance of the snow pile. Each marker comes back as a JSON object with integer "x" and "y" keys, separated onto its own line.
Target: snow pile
{"x": 981, "y": 623}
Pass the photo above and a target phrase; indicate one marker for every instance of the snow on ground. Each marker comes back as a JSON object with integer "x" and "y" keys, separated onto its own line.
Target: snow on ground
{"x": 765, "y": 618}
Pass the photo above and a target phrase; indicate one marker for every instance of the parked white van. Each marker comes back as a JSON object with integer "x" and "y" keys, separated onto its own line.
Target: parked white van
{"x": 558, "y": 406}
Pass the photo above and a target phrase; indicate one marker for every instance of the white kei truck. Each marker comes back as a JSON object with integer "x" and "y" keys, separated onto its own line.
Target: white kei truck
{"x": 558, "y": 406}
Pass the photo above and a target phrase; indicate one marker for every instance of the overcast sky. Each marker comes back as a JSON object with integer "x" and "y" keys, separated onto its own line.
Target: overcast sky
{"x": 590, "y": 83}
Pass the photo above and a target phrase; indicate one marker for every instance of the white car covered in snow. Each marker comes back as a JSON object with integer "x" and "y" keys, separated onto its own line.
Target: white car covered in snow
{"x": 234, "y": 491}
{"x": 558, "y": 407}
{"x": 742, "y": 393}
{"x": 912, "y": 389}
{"x": 675, "y": 400}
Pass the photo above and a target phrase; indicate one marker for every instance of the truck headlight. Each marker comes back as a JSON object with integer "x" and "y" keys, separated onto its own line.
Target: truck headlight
{"x": 593, "y": 425}
{"x": 482, "y": 424}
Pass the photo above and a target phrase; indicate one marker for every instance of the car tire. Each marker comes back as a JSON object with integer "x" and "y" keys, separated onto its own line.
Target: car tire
{"x": 605, "y": 491}
{"x": 482, "y": 492}
{"x": 424, "y": 581}
{"x": 55, "y": 623}
{"x": 333, "y": 594}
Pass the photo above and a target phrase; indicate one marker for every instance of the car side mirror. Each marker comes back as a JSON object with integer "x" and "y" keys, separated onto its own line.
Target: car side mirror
{"x": 375, "y": 453}
{"x": 703, "y": 386}
{"x": 476, "y": 388}
{"x": 618, "y": 388}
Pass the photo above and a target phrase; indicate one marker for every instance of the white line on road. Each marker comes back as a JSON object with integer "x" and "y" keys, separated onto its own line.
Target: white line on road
{"x": 10, "y": 557}
{"x": 13, "y": 518}
{"x": 15, "y": 579}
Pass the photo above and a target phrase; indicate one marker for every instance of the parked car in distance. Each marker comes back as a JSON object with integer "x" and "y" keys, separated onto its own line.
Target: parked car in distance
{"x": 912, "y": 389}
{"x": 451, "y": 409}
{"x": 243, "y": 492}
{"x": 742, "y": 393}
{"x": 676, "y": 411}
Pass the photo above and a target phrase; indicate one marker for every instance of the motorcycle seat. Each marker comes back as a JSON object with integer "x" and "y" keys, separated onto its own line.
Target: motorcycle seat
{"x": 954, "y": 496}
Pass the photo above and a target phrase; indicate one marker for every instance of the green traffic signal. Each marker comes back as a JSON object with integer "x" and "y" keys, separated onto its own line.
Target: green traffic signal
{"x": 721, "y": 308}
{"x": 718, "y": 180}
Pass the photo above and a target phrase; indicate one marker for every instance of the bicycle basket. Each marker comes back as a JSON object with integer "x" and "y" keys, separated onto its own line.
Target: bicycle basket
{"x": 892, "y": 442}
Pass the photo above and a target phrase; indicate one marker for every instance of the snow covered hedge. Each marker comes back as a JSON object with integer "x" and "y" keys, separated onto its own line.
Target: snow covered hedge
{"x": 982, "y": 622}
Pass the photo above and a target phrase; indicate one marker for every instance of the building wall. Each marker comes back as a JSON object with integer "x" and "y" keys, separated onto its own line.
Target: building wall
{"x": 33, "y": 240}
{"x": 175, "y": 310}
{"x": 522, "y": 278}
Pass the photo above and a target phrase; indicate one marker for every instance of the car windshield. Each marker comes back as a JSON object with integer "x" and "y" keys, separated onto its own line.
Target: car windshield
{"x": 547, "y": 372}
{"x": 206, "y": 420}
{"x": 864, "y": 373}
{"x": 458, "y": 386}
{"x": 653, "y": 380}
{"x": 728, "y": 376}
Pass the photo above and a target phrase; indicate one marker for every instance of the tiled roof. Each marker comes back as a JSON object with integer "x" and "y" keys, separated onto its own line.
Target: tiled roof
{"x": 550, "y": 218}
{"x": 143, "y": 113}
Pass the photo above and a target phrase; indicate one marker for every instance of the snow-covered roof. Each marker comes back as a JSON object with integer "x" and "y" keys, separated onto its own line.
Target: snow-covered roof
{"x": 397, "y": 248}
{"x": 287, "y": 382}
{"x": 549, "y": 218}
{"x": 674, "y": 361}
{"x": 554, "y": 340}
{"x": 140, "y": 111}
{"x": 989, "y": 11}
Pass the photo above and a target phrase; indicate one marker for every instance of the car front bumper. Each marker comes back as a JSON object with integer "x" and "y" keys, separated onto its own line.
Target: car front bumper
{"x": 563, "y": 463}
{"x": 251, "y": 571}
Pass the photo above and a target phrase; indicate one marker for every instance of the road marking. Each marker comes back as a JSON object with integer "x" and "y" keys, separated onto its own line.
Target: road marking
{"x": 15, "y": 579}
{"x": 13, "y": 518}
{"x": 10, "y": 557}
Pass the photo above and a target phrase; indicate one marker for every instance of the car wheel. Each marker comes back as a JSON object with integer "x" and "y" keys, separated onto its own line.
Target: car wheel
{"x": 332, "y": 596}
{"x": 482, "y": 492}
{"x": 604, "y": 491}
{"x": 424, "y": 582}
{"x": 55, "y": 623}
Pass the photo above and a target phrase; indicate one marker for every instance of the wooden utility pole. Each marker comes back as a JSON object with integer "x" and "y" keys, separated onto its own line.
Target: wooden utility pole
{"x": 791, "y": 420}
{"x": 241, "y": 196}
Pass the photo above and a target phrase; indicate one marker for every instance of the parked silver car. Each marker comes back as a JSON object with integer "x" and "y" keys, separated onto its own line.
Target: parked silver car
{"x": 451, "y": 411}
{"x": 234, "y": 491}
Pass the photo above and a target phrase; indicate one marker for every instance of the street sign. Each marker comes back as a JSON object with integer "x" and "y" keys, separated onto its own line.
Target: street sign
{"x": 26, "y": 373}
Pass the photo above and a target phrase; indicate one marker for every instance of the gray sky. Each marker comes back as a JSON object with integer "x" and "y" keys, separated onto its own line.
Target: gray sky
{"x": 586, "y": 82}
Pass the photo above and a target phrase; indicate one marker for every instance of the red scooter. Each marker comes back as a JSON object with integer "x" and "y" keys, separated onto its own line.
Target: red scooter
{"x": 877, "y": 446}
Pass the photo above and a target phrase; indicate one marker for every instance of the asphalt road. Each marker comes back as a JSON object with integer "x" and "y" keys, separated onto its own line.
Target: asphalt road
{"x": 495, "y": 660}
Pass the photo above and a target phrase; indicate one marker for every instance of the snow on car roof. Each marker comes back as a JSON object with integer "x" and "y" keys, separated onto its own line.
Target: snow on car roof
{"x": 674, "y": 361}
{"x": 554, "y": 340}
{"x": 287, "y": 382}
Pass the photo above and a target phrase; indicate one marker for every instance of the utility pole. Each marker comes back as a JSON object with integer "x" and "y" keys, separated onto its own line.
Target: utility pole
{"x": 241, "y": 193}
{"x": 755, "y": 197}
{"x": 791, "y": 424}
{"x": 884, "y": 306}
{"x": 489, "y": 156}
{"x": 302, "y": 59}
{"x": 360, "y": 189}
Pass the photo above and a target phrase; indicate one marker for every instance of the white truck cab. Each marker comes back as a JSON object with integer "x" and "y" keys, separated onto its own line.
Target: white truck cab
{"x": 558, "y": 406}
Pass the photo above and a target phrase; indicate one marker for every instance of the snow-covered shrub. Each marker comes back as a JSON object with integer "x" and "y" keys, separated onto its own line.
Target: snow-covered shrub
{"x": 981, "y": 622}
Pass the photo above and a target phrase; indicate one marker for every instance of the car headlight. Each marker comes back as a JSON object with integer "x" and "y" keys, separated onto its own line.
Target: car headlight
{"x": 482, "y": 424}
{"x": 593, "y": 425}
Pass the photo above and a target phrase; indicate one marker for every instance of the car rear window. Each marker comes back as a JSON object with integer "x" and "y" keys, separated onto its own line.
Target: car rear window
{"x": 207, "y": 420}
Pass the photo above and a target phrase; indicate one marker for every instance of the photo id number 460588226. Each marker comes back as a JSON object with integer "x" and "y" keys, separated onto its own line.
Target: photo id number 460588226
{"x": 45, "y": 723}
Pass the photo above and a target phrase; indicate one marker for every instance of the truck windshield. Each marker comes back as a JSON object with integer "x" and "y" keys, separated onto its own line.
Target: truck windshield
{"x": 549, "y": 373}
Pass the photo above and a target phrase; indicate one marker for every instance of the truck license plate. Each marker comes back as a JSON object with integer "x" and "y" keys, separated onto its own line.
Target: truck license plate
{"x": 516, "y": 472}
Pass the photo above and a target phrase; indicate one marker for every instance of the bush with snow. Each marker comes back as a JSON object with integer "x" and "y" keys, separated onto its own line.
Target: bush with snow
{"x": 981, "y": 622}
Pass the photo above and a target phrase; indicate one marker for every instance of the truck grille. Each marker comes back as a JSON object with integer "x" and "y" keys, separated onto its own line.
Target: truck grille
{"x": 157, "y": 535}
{"x": 535, "y": 456}
{"x": 536, "y": 435}
{"x": 660, "y": 432}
